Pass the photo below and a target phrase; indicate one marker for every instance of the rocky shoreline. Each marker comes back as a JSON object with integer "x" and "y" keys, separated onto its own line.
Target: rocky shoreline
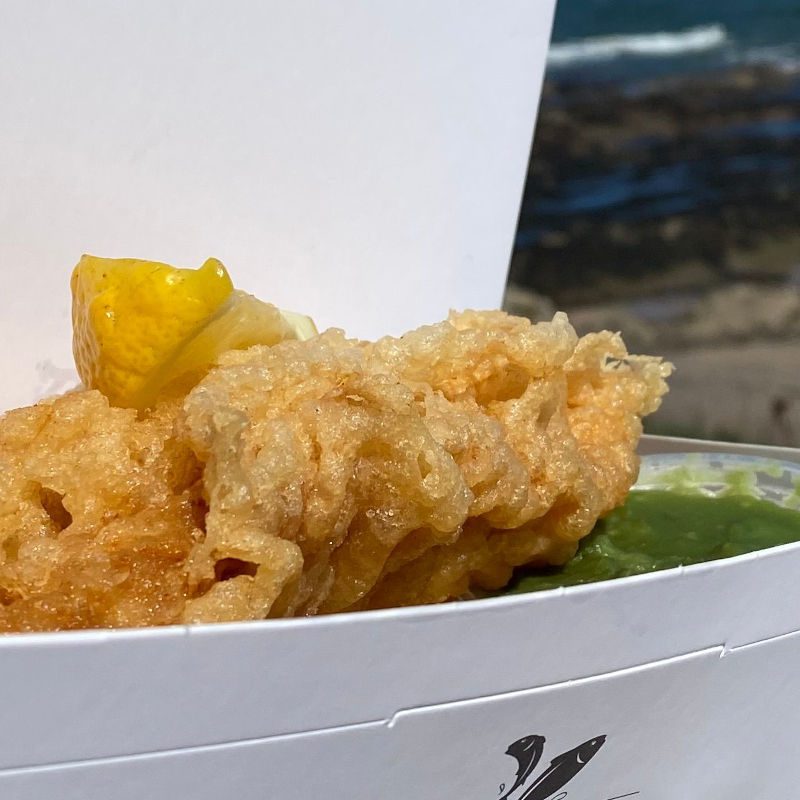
{"x": 670, "y": 211}
{"x": 679, "y": 185}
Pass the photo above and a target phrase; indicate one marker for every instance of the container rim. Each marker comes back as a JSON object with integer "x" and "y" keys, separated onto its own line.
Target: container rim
{"x": 438, "y": 610}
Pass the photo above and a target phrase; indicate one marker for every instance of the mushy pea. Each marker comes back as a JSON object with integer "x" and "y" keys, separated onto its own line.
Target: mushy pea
{"x": 660, "y": 529}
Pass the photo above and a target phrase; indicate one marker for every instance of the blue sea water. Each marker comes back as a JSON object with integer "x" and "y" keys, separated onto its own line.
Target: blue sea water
{"x": 635, "y": 42}
{"x": 635, "y": 39}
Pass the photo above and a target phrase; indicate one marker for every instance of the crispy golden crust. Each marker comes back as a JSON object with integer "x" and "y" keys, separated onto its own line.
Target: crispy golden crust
{"x": 96, "y": 516}
{"x": 315, "y": 473}
{"x": 321, "y": 476}
{"x": 411, "y": 470}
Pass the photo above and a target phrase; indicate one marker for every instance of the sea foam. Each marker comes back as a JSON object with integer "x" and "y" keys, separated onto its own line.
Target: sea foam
{"x": 662, "y": 44}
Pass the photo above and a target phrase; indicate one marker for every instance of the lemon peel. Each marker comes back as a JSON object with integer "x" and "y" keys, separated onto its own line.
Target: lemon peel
{"x": 144, "y": 329}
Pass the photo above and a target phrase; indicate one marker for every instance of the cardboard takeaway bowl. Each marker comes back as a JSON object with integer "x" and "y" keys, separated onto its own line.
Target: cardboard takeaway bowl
{"x": 677, "y": 684}
{"x": 337, "y": 154}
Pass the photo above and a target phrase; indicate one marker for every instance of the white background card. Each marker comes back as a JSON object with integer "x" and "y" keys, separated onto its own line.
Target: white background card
{"x": 359, "y": 160}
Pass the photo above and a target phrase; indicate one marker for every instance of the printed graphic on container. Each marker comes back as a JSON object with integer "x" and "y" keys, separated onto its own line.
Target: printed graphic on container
{"x": 550, "y": 783}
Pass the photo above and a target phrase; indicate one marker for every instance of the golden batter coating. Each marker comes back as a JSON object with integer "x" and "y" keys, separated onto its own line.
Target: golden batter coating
{"x": 321, "y": 476}
{"x": 411, "y": 470}
{"x": 96, "y": 516}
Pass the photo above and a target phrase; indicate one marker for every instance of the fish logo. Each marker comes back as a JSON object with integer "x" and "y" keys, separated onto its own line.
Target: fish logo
{"x": 563, "y": 768}
{"x": 527, "y": 750}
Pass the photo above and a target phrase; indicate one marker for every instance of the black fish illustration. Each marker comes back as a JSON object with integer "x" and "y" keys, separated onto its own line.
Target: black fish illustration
{"x": 562, "y": 769}
{"x": 527, "y": 750}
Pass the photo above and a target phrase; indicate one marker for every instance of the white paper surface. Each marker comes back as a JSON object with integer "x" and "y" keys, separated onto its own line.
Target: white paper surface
{"x": 121, "y": 693}
{"x": 688, "y": 727}
{"x": 359, "y": 160}
{"x": 716, "y": 723}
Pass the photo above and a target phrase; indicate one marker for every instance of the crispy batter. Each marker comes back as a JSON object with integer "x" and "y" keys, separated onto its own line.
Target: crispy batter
{"x": 315, "y": 473}
{"x": 411, "y": 470}
{"x": 96, "y": 516}
{"x": 321, "y": 476}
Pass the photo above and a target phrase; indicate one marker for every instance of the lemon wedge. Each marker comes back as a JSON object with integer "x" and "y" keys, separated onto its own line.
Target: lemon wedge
{"x": 143, "y": 329}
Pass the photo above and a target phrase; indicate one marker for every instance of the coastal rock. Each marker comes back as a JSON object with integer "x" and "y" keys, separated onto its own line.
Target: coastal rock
{"x": 743, "y": 312}
{"x": 629, "y": 184}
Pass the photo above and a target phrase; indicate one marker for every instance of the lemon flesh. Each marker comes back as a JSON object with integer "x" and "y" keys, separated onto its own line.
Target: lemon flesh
{"x": 143, "y": 329}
